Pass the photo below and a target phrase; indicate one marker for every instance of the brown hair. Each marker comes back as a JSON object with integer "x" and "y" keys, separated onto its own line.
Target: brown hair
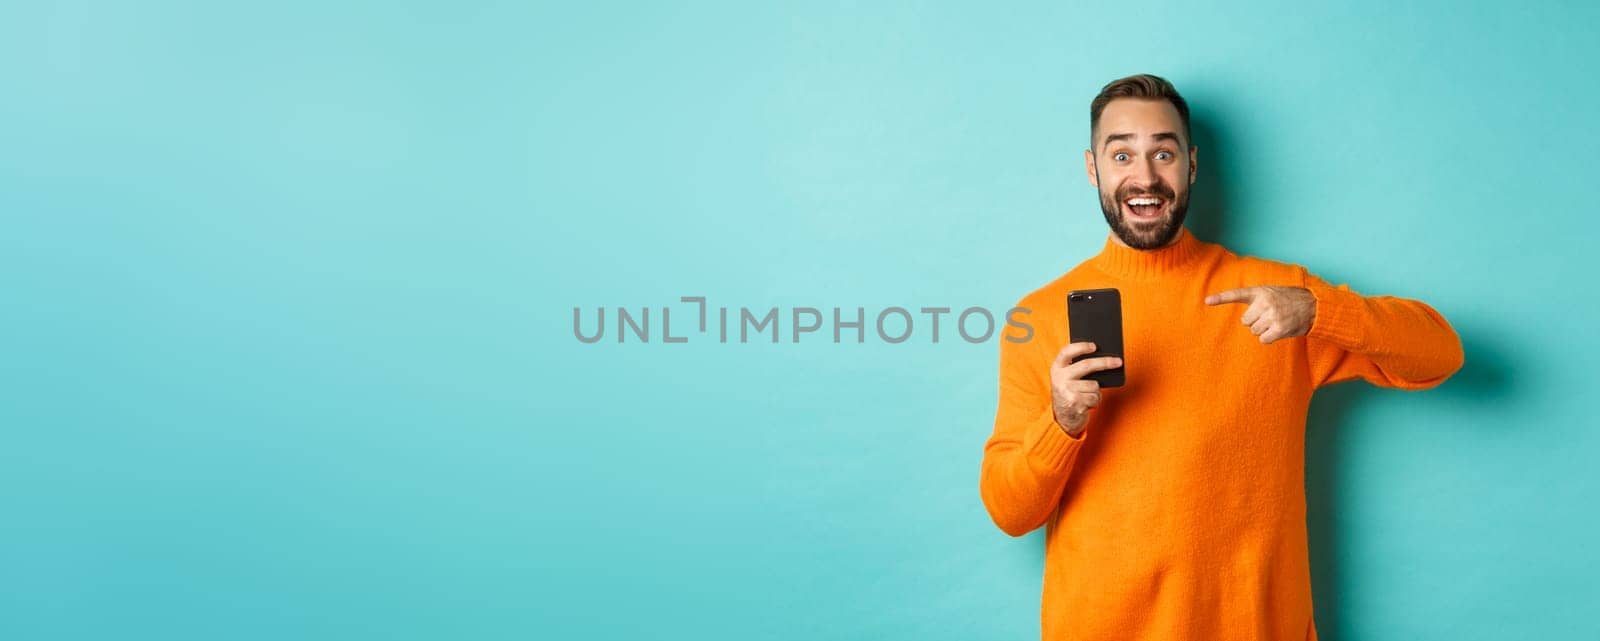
{"x": 1144, "y": 86}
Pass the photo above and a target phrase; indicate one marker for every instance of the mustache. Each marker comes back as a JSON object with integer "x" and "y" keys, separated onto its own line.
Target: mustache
{"x": 1159, "y": 190}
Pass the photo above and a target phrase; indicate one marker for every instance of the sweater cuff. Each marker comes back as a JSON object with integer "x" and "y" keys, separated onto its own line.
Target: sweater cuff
{"x": 1051, "y": 447}
{"x": 1338, "y": 318}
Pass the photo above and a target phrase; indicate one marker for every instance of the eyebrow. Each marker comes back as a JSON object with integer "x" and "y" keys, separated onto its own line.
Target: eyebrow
{"x": 1165, "y": 135}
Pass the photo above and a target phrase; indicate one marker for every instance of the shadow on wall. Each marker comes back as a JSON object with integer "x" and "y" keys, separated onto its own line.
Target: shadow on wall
{"x": 1484, "y": 378}
{"x": 1208, "y": 202}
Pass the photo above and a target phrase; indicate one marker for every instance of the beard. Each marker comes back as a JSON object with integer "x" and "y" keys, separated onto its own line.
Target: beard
{"x": 1146, "y": 234}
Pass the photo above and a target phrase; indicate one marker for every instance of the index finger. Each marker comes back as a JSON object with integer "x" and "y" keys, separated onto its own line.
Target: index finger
{"x": 1241, "y": 295}
{"x": 1083, "y": 368}
{"x": 1071, "y": 351}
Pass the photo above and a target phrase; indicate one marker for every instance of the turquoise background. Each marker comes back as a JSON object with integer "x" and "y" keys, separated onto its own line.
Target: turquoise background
{"x": 288, "y": 290}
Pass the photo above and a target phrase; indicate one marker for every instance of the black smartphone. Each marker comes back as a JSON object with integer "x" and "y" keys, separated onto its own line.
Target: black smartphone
{"x": 1095, "y": 315}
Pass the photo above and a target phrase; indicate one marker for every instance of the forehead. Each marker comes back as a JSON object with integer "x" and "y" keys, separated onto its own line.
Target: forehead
{"x": 1140, "y": 117}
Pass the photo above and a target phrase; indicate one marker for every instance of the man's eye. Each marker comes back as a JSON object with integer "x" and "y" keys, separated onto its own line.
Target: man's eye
{"x": 1120, "y": 157}
{"x": 1163, "y": 155}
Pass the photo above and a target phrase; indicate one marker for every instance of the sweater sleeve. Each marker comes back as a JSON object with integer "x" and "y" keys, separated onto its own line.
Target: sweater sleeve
{"x": 1388, "y": 341}
{"x": 1028, "y": 457}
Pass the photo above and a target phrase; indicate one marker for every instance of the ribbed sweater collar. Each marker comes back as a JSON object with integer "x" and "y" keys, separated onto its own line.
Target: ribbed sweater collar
{"x": 1137, "y": 264}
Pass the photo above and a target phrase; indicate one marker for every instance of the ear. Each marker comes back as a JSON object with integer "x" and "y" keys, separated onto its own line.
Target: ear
{"x": 1194, "y": 159}
{"x": 1088, "y": 168}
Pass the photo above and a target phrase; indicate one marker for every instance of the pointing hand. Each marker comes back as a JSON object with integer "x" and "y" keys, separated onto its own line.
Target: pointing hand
{"x": 1274, "y": 312}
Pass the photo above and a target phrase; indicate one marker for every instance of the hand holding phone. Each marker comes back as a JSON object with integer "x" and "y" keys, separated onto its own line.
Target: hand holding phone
{"x": 1072, "y": 392}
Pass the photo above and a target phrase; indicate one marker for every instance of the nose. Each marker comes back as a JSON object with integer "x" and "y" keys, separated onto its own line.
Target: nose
{"x": 1145, "y": 172}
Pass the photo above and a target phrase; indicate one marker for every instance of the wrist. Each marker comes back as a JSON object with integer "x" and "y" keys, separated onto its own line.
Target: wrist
{"x": 1075, "y": 433}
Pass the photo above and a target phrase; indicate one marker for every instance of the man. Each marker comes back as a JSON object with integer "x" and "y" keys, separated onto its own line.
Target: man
{"x": 1174, "y": 505}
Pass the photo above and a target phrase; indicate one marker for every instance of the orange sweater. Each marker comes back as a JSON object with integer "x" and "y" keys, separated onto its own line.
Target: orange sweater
{"x": 1180, "y": 512}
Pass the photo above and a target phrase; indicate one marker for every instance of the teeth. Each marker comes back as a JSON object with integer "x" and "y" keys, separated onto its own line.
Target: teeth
{"x": 1143, "y": 201}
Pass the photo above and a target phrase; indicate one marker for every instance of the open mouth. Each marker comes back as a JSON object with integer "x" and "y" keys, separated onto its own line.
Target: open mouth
{"x": 1144, "y": 207}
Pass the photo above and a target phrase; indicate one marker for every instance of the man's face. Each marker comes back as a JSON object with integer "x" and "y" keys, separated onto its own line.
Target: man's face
{"x": 1143, "y": 165}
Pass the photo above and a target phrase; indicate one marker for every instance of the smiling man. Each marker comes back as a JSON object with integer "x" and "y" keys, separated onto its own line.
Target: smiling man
{"x": 1174, "y": 506}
